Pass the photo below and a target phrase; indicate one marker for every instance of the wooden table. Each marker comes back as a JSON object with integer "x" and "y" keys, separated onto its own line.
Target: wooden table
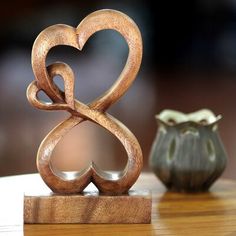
{"x": 212, "y": 213}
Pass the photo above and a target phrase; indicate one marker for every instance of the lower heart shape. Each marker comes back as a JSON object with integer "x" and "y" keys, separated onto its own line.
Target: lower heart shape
{"x": 94, "y": 111}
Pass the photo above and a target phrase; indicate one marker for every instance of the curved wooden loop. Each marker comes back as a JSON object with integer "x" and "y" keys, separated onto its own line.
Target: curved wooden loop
{"x": 66, "y": 35}
{"x": 95, "y": 111}
{"x": 105, "y": 182}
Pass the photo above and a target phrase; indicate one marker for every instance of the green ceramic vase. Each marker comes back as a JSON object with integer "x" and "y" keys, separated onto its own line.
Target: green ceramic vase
{"x": 187, "y": 153}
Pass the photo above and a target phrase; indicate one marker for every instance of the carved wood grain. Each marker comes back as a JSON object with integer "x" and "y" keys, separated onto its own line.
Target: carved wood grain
{"x": 95, "y": 111}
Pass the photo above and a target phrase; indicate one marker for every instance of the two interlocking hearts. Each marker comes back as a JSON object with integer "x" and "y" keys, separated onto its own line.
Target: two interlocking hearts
{"x": 94, "y": 111}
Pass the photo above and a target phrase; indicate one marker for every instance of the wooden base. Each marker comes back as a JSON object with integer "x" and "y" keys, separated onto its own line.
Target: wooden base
{"x": 89, "y": 207}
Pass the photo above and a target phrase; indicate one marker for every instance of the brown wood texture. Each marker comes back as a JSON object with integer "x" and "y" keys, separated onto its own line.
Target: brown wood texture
{"x": 89, "y": 207}
{"x": 212, "y": 213}
{"x": 56, "y": 35}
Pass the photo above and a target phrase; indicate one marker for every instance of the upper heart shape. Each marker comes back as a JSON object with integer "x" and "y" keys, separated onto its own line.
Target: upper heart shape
{"x": 76, "y": 37}
{"x": 94, "y": 111}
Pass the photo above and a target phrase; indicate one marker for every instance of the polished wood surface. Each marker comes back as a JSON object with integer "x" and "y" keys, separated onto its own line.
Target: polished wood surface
{"x": 89, "y": 207}
{"x": 95, "y": 111}
{"x": 61, "y": 209}
{"x": 212, "y": 213}
{"x": 57, "y": 35}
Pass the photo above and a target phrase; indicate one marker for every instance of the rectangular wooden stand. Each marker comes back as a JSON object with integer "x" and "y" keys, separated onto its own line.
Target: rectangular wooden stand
{"x": 89, "y": 207}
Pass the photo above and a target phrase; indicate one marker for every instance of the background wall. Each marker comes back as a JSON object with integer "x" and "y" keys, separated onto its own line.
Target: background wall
{"x": 189, "y": 63}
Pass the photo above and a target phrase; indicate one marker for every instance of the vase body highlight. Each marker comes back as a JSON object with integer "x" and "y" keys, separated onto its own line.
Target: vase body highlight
{"x": 187, "y": 153}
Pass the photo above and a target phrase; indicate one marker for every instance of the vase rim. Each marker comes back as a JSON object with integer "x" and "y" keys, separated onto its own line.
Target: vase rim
{"x": 203, "y": 117}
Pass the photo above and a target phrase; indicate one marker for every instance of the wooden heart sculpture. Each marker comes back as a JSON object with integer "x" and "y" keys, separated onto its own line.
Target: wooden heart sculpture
{"x": 94, "y": 111}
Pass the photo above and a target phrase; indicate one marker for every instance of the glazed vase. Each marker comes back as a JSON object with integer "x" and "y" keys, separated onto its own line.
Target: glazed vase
{"x": 187, "y": 154}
